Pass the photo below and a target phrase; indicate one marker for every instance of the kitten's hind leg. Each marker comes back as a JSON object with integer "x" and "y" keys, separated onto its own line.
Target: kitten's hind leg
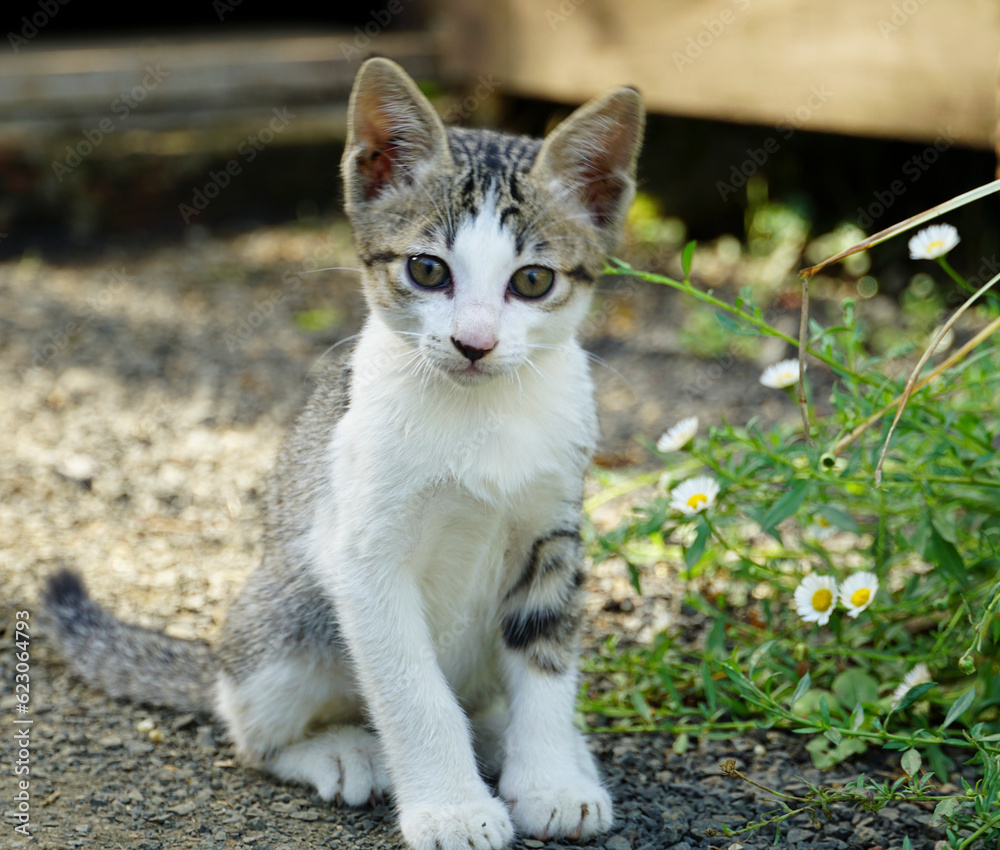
{"x": 299, "y": 719}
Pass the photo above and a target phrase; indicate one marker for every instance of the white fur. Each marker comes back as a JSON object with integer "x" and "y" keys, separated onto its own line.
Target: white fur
{"x": 443, "y": 478}
{"x": 450, "y": 484}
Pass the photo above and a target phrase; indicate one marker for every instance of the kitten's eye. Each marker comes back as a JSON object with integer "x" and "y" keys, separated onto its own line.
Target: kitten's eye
{"x": 428, "y": 272}
{"x": 532, "y": 281}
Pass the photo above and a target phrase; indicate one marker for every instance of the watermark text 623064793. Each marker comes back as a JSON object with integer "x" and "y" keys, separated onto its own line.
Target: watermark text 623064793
{"x": 21, "y": 811}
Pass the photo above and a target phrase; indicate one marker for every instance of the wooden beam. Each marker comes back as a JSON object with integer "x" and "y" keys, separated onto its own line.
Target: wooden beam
{"x": 902, "y": 69}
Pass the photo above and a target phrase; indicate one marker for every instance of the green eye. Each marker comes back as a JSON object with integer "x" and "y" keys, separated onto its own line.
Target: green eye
{"x": 532, "y": 281}
{"x": 428, "y": 272}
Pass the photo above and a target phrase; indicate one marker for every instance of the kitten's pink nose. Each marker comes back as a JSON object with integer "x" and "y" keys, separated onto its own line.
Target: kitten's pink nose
{"x": 474, "y": 349}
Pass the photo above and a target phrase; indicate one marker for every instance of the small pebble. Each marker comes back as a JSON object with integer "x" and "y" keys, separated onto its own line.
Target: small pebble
{"x": 146, "y": 725}
{"x": 156, "y": 736}
{"x": 617, "y": 842}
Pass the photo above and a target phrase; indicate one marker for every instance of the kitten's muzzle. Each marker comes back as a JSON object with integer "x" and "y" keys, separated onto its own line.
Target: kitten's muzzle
{"x": 469, "y": 351}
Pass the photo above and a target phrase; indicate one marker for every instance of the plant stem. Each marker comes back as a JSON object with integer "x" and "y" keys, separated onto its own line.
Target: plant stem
{"x": 625, "y": 269}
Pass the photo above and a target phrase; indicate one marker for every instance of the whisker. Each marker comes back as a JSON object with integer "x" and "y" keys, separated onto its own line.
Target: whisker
{"x": 337, "y": 344}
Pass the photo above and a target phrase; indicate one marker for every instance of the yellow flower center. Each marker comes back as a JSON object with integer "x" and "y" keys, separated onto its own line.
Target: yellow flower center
{"x": 860, "y": 597}
{"x": 822, "y": 599}
{"x": 697, "y": 501}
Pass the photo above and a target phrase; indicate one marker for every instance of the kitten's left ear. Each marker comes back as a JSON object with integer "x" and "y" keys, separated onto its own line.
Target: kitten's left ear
{"x": 594, "y": 151}
{"x": 392, "y": 130}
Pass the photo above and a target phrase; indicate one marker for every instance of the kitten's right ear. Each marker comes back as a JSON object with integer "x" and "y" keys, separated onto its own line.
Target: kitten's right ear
{"x": 392, "y": 130}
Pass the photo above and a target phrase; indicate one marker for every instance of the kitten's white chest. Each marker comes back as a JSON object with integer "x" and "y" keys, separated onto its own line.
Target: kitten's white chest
{"x": 492, "y": 441}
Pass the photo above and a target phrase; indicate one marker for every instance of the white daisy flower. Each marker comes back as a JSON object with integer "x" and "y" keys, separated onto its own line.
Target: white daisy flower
{"x": 917, "y": 676}
{"x": 679, "y": 436}
{"x": 933, "y": 242}
{"x": 694, "y": 495}
{"x": 820, "y": 528}
{"x": 858, "y": 592}
{"x": 816, "y": 598}
{"x": 781, "y": 375}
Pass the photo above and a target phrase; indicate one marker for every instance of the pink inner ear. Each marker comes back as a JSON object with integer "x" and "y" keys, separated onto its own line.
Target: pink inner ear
{"x": 601, "y": 194}
{"x": 375, "y": 167}
{"x": 379, "y": 151}
{"x": 598, "y": 154}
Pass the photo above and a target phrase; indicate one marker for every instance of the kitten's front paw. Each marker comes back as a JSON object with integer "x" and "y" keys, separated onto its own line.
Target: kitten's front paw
{"x": 568, "y": 810}
{"x": 484, "y": 825}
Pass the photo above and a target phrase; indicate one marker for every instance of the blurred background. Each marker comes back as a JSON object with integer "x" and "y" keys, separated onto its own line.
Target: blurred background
{"x": 860, "y": 111}
{"x": 779, "y": 132}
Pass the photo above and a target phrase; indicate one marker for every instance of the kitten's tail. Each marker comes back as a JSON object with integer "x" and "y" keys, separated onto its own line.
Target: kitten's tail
{"x": 126, "y": 660}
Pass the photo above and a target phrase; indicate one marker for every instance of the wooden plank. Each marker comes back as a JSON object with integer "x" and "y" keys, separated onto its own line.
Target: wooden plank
{"x": 905, "y": 69}
{"x": 164, "y": 85}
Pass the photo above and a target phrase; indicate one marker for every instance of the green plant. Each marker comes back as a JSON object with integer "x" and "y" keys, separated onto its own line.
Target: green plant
{"x": 912, "y": 579}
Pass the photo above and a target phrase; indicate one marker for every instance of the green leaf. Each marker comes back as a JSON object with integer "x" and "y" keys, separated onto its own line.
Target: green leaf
{"x": 694, "y": 552}
{"x": 758, "y": 655}
{"x": 942, "y": 552}
{"x": 686, "y": 256}
{"x": 839, "y": 519}
{"x": 913, "y": 694}
{"x": 709, "y": 686}
{"x": 729, "y": 324}
{"x": 959, "y": 707}
{"x": 834, "y": 736}
{"x": 641, "y": 706}
{"x": 857, "y": 717}
{"x": 633, "y": 574}
{"x": 681, "y": 744}
{"x": 939, "y": 763}
{"x": 855, "y": 686}
{"x": 945, "y": 809}
{"x": 715, "y": 643}
{"x": 800, "y": 690}
{"x": 785, "y": 506}
{"x": 825, "y": 756}
{"x": 911, "y": 762}
{"x": 824, "y": 709}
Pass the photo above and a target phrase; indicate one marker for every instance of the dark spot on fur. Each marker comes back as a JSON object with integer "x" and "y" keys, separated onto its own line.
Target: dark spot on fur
{"x": 526, "y": 627}
{"x": 532, "y": 565}
{"x": 380, "y": 257}
{"x": 581, "y": 274}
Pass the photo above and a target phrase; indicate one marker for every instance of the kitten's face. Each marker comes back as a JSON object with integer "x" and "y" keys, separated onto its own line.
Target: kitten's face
{"x": 483, "y": 270}
{"x": 481, "y": 249}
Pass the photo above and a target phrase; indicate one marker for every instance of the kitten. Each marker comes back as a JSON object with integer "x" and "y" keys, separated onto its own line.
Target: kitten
{"x": 418, "y": 599}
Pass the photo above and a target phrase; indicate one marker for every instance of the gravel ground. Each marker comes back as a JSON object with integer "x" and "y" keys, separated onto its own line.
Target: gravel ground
{"x": 144, "y": 396}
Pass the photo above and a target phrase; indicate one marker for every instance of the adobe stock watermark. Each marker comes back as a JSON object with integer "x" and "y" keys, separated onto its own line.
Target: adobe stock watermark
{"x": 901, "y": 14}
{"x": 363, "y": 35}
{"x": 122, "y": 107}
{"x": 58, "y": 340}
{"x": 696, "y": 45}
{"x": 22, "y": 723}
{"x": 224, "y": 7}
{"x": 913, "y": 169}
{"x": 263, "y": 308}
{"x": 758, "y": 157}
{"x": 561, "y": 12}
{"x": 247, "y": 151}
{"x": 46, "y": 11}
{"x": 484, "y": 90}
